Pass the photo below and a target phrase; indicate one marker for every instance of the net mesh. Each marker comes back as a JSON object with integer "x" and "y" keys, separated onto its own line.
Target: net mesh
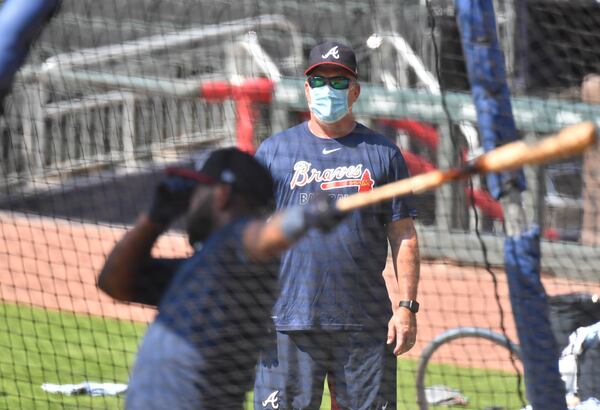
{"x": 115, "y": 91}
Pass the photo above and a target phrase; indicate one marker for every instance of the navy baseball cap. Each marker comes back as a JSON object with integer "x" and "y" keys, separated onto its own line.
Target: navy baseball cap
{"x": 332, "y": 53}
{"x": 236, "y": 168}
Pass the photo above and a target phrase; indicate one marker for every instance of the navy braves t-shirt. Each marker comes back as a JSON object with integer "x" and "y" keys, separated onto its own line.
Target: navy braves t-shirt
{"x": 334, "y": 280}
{"x": 220, "y": 301}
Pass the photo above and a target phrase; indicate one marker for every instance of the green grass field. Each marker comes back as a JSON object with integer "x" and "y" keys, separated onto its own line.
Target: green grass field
{"x": 42, "y": 346}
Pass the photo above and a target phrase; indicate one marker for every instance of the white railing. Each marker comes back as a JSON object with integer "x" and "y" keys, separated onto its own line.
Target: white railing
{"x": 101, "y": 129}
{"x": 407, "y": 60}
{"x": 140, "y": 116}
{"x": 174, "y": 41}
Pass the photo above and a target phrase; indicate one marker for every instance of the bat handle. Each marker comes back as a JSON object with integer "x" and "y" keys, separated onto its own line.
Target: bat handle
{"x": 415, "y": 185}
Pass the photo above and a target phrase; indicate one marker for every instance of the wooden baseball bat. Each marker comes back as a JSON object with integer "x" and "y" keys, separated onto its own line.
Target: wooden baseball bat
{"x": 568, "y": 142}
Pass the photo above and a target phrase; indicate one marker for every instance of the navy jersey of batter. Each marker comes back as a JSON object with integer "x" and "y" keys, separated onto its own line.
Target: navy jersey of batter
{"x": 333, "y": 280}
{"x": 220, "y": 301}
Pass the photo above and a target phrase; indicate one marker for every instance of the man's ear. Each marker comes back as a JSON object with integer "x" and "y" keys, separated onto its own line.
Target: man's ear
{"x": 222, "y": 196}
{"x": 354, "y": 93}
{"x": 307, "y": 92}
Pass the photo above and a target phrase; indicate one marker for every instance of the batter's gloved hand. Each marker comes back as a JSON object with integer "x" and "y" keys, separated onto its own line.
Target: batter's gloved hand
{"x": 171, "y": 198}
{"x": 321, "y": 213}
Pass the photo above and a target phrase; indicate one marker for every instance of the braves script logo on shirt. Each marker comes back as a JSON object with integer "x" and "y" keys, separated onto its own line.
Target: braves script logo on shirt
{"x": 272, "y": 400}
{"x": 332, "y": 52}
{"x": 332, "y": 178}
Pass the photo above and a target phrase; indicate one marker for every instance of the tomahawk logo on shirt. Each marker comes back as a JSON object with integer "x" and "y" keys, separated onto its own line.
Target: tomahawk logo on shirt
{"x": 332, "y": 178}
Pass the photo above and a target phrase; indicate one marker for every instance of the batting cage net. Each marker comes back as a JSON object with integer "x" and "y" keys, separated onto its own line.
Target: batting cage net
{"x": 112, "y": 93}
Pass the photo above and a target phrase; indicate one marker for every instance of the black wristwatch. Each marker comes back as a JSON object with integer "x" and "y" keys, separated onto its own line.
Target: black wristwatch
{"x": 411, "y": 305}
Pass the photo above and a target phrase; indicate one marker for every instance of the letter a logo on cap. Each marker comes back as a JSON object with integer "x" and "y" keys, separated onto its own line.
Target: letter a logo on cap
{"x": 332, "y": 52}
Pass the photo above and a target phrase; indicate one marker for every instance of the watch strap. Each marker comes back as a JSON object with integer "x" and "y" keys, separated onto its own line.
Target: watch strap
{"x": 411, "y": 305}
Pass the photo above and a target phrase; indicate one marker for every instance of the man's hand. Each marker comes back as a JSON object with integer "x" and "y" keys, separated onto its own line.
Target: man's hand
{"x": 265, "y": 240}
{"x": 171, "y": 198}
{"x": 402, "y": 328}
{"x": 321, "y": 213}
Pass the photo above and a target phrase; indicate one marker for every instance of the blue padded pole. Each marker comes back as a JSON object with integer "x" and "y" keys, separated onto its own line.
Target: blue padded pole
{"x": 20, "y": 23}
{"x": 539, "y": 350}
{"x": 487, "y": 75}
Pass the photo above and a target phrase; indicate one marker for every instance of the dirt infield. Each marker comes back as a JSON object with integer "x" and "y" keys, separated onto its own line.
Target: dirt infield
{"x": 53, "y": 264}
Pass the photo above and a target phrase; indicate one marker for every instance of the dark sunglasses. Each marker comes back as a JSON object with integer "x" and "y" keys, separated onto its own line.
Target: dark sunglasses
{"x": 337, "y": 83}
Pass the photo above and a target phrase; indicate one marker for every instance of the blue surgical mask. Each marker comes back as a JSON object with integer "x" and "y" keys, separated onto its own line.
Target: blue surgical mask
{"x": 327, "y": 104}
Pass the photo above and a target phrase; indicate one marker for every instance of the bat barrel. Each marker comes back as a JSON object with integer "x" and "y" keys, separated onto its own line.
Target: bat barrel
{"x": 569, "y": 142}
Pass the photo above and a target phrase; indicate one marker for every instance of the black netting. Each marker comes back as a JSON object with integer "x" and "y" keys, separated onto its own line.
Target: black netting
{"x": 113, "y": 92}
